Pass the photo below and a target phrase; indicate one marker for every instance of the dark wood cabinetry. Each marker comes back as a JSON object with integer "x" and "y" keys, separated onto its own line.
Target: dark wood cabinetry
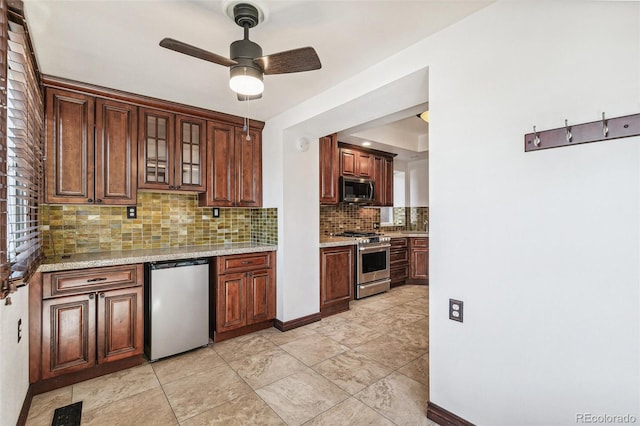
{"x": 356, "y": 163}
{"x": 329, "y": 173}
{"x": 235, "y": 167}
{"x": 89, "y": 318}
{"x": 399, "y": 261}
{"x": 383, "y": 178}
{"x": 83, "y": 167}
{"x": 418, "y": 261}
{"x": 245, "y": 294}
{"x": 336, "y": 279}
{"x": 172, "y": 151}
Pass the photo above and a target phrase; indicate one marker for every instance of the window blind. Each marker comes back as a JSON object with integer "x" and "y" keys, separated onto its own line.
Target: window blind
{"x": 5, "y": 269}
{"x": 24, "y": 142}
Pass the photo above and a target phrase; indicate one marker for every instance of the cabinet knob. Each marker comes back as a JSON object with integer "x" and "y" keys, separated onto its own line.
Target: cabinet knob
{"x": 98, "y": 200}
{"x": 171, "y": 187}
{"x": 101, "y": 295}
{"x": 90, "y": 200}
{"x": 91, "y": 296}
{"x": 178, "y": 187}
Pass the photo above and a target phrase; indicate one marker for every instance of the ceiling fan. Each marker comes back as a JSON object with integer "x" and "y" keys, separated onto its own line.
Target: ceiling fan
{"x": 247, "y": 63}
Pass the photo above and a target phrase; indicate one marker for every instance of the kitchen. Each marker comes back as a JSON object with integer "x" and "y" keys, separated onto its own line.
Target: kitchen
{"x": 486, "y": 91}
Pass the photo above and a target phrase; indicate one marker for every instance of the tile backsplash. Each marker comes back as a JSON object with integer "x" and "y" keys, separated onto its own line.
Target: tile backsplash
{"x": 164, "y": 220}
{"x": 348, "y": 217}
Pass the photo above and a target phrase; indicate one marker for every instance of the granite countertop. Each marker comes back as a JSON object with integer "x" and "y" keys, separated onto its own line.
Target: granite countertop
{"x": 127, "y": 257}
{"x": 331, "y": 241}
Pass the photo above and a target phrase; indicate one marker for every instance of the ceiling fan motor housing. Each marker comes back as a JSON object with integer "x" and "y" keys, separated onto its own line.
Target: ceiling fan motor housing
{"x": 246, "y": 14}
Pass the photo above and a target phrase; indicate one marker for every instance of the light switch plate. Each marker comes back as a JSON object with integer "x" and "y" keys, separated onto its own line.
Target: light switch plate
{"x": 456, "y": 310}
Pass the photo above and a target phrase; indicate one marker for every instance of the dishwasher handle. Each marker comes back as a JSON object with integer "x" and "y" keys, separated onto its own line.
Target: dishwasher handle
{"x": 178, "y": 263}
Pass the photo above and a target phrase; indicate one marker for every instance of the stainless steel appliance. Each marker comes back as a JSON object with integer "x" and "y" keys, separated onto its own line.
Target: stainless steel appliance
{"x": 372, "y": 263}
{"x": 176, "y": 307}
{"x": 355, "y": 190}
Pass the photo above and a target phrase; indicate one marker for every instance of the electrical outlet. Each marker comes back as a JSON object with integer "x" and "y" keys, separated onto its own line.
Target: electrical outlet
{"x": 216, "y": 212}
{"x": 456, "y": 310}
{"x": 19, "y": 330}
{"x": 132, "y": 212}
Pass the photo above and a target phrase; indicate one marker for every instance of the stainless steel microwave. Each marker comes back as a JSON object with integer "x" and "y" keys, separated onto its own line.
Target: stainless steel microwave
{"x": 357, "y": 190}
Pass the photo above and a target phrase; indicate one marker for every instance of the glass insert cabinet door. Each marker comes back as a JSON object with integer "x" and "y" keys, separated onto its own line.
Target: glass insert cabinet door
{"x": 173, "y": 151}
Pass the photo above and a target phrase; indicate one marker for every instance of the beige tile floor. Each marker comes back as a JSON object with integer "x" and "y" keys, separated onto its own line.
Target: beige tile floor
{"x": 367, "y": 366}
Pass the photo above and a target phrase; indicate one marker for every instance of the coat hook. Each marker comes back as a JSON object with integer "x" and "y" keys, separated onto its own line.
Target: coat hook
{"x": 605, "y": 128}
{"x": 536, "y": 138}
{"x": 568, "y": 130}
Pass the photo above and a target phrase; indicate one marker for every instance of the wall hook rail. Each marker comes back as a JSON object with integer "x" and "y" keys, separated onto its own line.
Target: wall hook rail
{"x": 595, "y": 131}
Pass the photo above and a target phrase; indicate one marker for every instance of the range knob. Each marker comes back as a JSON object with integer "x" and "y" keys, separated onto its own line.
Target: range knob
{"x": 364, "y": 241}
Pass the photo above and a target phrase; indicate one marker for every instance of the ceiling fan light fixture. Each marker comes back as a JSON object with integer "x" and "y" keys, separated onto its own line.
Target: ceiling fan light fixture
{"x": 246, "y": 81}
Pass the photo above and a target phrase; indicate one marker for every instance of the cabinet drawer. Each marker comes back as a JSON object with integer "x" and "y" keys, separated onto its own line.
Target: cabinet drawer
{"x": 399, "y": 273}
{"x": 398, "y": 256}
{"x": 90, "y": 280}
{"x": 398, "y": 243}
{"x": 244, "y": 262}
{"x": 419, "y": 242}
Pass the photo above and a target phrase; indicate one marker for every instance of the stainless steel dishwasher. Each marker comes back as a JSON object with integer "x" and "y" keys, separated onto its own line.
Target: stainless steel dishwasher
{"x": 176, "y": 307}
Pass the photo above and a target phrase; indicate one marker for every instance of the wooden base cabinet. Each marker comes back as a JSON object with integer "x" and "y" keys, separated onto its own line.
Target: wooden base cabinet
{"x": 418, "y": 261}
{"x": 89, "y": 318}
{"x": 245, "y": 294}
{"x": 399, "y": 261}
{"x": 337, "y": 279}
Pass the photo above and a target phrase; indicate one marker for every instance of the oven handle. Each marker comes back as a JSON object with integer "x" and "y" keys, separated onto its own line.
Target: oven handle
{"x": 381, "y": 247}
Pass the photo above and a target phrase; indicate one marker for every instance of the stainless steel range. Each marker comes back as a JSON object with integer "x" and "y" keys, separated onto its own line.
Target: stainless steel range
{"x": 372, "y": 265}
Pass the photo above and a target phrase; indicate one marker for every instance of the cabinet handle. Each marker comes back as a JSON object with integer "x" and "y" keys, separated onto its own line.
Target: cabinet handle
{"x": 178, "y": 187}
{"x": 93, "y": 280}
{"x": 247, "y": 262}
{"x": 101, "y": 295}
{"x": 90, "y": 200}
{"x": 98, "y": 200}
{"x": 91, "y": 296}
{"x": 171, "y": 187}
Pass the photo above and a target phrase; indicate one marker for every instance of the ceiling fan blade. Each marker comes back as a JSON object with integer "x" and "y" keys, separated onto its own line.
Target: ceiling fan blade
{"x": 196, "y": 52}
{"x": 296, "y": 60}
{"x": 248, "y": 98}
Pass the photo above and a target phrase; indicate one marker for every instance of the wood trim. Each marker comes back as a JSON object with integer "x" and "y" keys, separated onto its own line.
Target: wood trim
{"x": 145, "y": 101}
{"x": 389, "y": 155}
{"x": 89, "y": 373}
{"x": 444, "y": 417}
{"x": 298, "y": 322}
{"x": 415, "y": 281}
{"x": 35, "y": 327}
{"x": 219, "y": 337}
{"x": 335, "y": 308}
{"x": 26, "y": 405}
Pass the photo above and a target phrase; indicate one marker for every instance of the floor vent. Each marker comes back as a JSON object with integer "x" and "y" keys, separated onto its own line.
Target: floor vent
{"x": 69, "y": 415}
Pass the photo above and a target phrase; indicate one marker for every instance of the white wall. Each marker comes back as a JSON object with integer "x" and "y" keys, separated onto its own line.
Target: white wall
{"x": 14, "y": 356}
{"x": 542, "y": 247}
{"x": 418, "y": 183}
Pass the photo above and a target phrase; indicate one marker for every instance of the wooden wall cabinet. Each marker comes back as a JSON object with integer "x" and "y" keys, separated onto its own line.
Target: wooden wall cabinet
{"x": 172, "y": 151}
{"x": 383, "y": 178}
{"x": 235, "y": 167}
{"x": 329, "y": 172}
{"x": 418, "y": 261}
{"x": 356, "y": 163}
{"x": 245, "y": 294}
{"x": 399, "y": 261}
{"x": 89, "y": 318}
{"x": 84, "y": 167}
{"x": 337, "y": 279}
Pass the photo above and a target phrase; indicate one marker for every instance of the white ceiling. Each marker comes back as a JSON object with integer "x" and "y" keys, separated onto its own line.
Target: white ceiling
{"x": 115, "y": 44}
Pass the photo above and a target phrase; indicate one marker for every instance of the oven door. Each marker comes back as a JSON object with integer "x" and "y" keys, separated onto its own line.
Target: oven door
{"x": 373, "y": 263}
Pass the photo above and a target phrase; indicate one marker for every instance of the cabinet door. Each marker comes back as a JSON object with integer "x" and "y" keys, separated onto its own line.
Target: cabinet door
{"x": 261, "y": 296}
{"x": 190, "y": 173}
{"x": 419, "y": 258}
{"x": 69, "y": 147}
{"x": 231, "y": 300}
{"x": 155, "y": 150}
{"x": 221, "y": 189}
{"x": 364, "y": 165}
{"x": 120, "y": 324}
{"x": 336, "y": 275}
{"x": 348, "y": 162}
{"x": 387, "y": 187}
{"x": 379, "y": 172}
{"x": 116, "y": 153}
{"x": 248, "y": 169}
{"x": 329, "y": 169}
{"x": 68, "y": 334}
